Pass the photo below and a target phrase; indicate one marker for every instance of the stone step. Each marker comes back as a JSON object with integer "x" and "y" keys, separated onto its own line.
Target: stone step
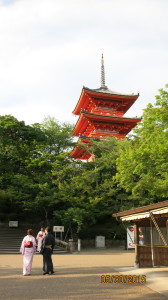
{"x": 11, "y": 238}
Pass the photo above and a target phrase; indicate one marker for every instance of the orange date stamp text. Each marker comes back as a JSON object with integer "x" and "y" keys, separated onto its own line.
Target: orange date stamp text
{"x": 132, "y": 279}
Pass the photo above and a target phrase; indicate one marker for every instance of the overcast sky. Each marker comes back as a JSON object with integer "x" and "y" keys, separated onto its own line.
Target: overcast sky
{"x": 50, "y": 49}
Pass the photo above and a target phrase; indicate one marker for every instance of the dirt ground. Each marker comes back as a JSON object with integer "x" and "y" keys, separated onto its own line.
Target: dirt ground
{"x": 77, "y": 276}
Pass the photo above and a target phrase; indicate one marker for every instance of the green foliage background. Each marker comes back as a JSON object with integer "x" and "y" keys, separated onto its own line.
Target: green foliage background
{"x": 40, "y": 182}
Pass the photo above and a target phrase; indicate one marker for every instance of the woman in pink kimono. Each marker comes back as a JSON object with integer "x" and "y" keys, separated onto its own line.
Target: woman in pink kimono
{"x": 28, "y": 249}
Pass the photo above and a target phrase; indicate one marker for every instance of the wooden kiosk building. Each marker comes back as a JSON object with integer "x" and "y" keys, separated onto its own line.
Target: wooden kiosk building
{"x": 101, "y": 114}
{"x": 150, "y": 233}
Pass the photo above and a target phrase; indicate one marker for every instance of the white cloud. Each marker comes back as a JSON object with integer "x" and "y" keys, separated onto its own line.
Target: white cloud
{"x": 49, "y": 49}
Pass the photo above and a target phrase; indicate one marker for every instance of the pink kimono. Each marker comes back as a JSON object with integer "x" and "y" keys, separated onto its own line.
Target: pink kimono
{"x": 28, "y": 249}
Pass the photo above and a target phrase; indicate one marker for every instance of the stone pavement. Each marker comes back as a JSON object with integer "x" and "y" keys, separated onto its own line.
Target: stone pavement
{"x": 78, "y": 276}
{"x": 156, "y": 278}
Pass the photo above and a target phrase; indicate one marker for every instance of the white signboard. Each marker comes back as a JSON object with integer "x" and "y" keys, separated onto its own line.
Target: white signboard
{"x": 100, "y": 241}
{"x": 13, "y": 223}
{"x": 130, "y": 237}
{"x": 58, "y": 228}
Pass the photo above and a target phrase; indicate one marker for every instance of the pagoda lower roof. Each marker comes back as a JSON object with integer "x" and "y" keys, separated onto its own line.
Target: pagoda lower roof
{"x": 104, "y": 95}
{"x": 79, "y": 152}
{"x": 86, "y": 117}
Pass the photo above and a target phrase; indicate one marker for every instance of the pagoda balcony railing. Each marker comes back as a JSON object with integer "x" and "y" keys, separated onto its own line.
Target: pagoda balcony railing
{"x": 106, "y": 108}
{"x": 106, "y": 130}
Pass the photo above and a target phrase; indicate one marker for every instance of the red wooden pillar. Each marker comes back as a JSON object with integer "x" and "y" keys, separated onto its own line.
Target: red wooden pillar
{"x": 136, "y": 245}
{"x": 167, "y": 230}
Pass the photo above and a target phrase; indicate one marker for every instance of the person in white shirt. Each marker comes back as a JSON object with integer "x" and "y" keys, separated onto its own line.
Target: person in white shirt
{"x": 39, "y": 238}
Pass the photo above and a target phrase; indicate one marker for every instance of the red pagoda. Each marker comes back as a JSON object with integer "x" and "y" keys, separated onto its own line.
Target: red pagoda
{"x": 101, "y": 114}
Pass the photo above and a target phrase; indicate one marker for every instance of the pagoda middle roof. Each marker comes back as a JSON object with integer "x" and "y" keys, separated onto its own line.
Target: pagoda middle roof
{"x": 103, "y": 94}
{"x": 82, "y": 122}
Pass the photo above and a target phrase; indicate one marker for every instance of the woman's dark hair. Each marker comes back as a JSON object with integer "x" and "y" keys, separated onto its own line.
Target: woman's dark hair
{"x": 29, "y": 231}
{"x": 48, "y": 229}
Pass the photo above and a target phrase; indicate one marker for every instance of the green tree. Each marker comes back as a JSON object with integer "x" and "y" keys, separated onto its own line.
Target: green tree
{"x": 142, "y": 165}
{"x": 27, "y": 155}
{"x": 58, "y": 136}
{"x": 18, "y": 142}
{"x": 88, "y": 191}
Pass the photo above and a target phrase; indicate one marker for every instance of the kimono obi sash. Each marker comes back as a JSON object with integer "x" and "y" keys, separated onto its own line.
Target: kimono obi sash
{"x": 28, "y": 244}
{"x": 48, "y": 246}
{"x": 40, "y": 235}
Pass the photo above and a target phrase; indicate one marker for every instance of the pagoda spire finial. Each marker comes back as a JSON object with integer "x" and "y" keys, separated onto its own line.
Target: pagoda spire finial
{"x": 103, "y": 86}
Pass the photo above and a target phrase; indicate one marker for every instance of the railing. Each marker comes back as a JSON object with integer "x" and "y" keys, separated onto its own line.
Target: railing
{"x": 68, "y": 246}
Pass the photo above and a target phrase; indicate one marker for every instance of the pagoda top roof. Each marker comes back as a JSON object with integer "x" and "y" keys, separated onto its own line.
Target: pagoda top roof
{"x": 104, "y": 94}
{"x": 105, "y": 90}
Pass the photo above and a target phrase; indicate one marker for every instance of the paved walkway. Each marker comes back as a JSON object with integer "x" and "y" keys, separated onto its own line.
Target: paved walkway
{"x": 78, "y": 276}
{"x": 157, "y": 278}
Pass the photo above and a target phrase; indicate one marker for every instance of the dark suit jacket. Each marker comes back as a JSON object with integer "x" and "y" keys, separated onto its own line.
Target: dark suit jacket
{"x": 48, "y": 240}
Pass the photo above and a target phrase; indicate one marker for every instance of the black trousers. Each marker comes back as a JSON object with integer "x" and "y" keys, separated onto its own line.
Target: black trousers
{"x": 47, "y": 261}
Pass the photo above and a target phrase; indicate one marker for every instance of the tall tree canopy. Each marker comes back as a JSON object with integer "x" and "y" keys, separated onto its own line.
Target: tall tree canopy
{"x": 142, "y": 167}
{"x": 26, "y": 157}
{"x": 58, "y": 136}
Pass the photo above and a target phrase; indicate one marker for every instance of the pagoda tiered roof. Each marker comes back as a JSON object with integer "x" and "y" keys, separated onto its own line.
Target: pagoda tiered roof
{"x": 100, "y": 126}
{"x": 101, "y": 114}
{"x": 103, "y": 97}
{"x": 81, "y": 152}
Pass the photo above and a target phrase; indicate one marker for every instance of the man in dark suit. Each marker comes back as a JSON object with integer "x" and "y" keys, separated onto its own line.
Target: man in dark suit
{"x": 48, "y": 244}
